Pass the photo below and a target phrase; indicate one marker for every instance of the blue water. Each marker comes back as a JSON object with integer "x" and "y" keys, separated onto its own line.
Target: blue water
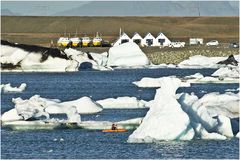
{"x": 95, "y": 144}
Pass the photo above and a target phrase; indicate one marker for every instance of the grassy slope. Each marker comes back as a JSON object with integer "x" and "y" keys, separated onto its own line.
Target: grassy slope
{"x": 40, "y": 30}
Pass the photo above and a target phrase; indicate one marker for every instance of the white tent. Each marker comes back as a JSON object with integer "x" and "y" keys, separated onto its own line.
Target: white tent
{"x": 137, "y": 38}
{"x": 122, "y": 39}
{"x": 162, "y": 40}
{"x": 149, "y": 40}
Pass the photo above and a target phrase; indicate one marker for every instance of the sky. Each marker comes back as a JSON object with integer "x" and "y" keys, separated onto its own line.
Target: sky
{"x": 47, "y": 8}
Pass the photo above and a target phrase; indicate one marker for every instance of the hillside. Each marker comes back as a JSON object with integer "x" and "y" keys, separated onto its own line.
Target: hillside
{"x": 153, "y": 8}
{"x": 41, "y": 30}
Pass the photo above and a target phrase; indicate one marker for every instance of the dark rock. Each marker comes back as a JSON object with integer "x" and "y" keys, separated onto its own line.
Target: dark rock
{"x": 230, "y": 60}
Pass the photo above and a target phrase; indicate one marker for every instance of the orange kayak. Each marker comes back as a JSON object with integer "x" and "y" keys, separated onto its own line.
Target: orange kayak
{"x": 116, "y": 130}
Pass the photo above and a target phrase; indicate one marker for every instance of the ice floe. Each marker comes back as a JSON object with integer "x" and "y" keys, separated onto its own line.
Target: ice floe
{"x": 232, "y": 72}
{"x": 123, "y": 102}
{"x": 7, "y": 88}
{"x": 148, "y": 82}
{"x": 39, "y": 108}
{"x": 200, "y": 61}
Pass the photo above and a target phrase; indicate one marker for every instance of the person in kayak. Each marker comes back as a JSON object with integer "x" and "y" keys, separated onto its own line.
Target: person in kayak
{"x": 114, "y": 127}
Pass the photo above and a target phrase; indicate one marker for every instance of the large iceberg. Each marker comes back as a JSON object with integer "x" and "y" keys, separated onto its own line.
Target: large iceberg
{"x": 165, "y": 120}
{"x": 127, "y": 54}
{"x": 185, "y": 116}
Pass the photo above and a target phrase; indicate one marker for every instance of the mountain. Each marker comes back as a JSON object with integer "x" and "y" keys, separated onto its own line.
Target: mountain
{"x": 7, "y": 12}
{"x": 154, "y": 8}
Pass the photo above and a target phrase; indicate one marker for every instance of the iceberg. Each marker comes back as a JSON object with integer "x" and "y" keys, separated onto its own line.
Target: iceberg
{"x": 122, "y": 102}
{"x": 205, "y": 118}
{"x": 226, "y": 104}
{"x": 7, "y": 88}
{"x": 84, "y": 105}
{"x": 199, "y": 61}
{"x": 238, "y": 135}
{"x": 165, "y": 112}
{"x": 39, "y": 108}
{"x": 11, "y": 115}
{"x": 232, "y": 72}
{"x": 127, "y": 54}
{"x": 32, "y": 58}
{"x": 148, "y": 82}
{"x": 224, "y": 126}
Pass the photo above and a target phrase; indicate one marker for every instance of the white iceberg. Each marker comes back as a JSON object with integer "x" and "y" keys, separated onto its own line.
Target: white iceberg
{"x": 165, "y": 120}
{"x": 203, "y": 134}
{"x": 122, "y": 102}
{"x": 127, "y": 54}
{"x": 199, "y": 61}
{"x": 232, "y": 72}
{"x": 101, "y": 59}
{"x": 31, "y": 58}
{"x": 11, "y": 115}
{"x": 148, "y": 82}
{"x": 226, "y": 104}
{"x": 84, "y": 105}
{"x": 238, "y": 135}
{"x": 38, "y": 107}
{"x": 224, "y": 126}
{"x": 7, "y": 88}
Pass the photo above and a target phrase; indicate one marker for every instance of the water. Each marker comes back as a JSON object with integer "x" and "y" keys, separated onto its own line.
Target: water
{"x": 95, "y": 144}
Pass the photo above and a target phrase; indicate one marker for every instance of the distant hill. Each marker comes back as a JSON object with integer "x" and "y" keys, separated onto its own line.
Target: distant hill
{"x": 154, "y": 8}
{"x": 7, "y": 12}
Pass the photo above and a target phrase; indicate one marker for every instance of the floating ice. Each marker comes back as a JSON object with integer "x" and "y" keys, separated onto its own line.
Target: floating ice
{"x": 122, "y": 102}
{"x": 11, "y": 115}
{"x": 200, "y": 61}
{"x": 7, "y": 88}
{"x": 147, "y": 82}
{"x": 83, "y": 105}
{"x": 221, "y": 104}
{"x": 127, "y": 54}
{"x": 37, "y": 107}
{"x": 165, "y": 120}
{"x": 192, "y": 115}
{"x": 224, "y": 126}
{"x": 31, "y": 58}
{"x": 232, "y": 72}
{"x": 238, "y": 135}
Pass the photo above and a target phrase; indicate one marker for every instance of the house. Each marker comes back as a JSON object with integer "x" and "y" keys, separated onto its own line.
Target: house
{"x": 149, "y": 40}
{"x": 162, "y": 40}
{"x": 137, "y": 38}
{"x": 122, "y": 39}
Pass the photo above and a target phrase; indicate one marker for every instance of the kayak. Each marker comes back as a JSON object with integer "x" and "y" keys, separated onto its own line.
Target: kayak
{"x": 116, "y": 130}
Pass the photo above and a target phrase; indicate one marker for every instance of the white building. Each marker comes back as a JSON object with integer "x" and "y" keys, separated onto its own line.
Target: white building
{"x": 122, "y": 39}
{"x": 162, "y": 40}
{"x": 149, "y": 40}
{"x": 137, "y": 38}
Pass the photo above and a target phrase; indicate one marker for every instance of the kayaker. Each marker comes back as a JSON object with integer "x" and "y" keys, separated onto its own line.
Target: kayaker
{"x": 114, "y": 127}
